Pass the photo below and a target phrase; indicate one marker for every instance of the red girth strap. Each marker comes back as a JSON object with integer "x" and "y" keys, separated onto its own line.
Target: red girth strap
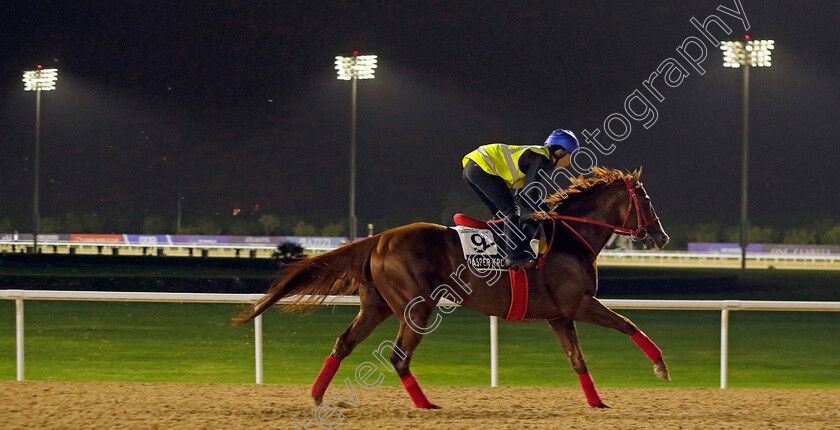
{"x": 518, "y": 295}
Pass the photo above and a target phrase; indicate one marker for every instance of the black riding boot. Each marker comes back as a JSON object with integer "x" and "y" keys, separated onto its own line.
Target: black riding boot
{"x": 515, "y": 245}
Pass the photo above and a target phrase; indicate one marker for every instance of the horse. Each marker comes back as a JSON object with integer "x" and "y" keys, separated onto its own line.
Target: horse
{"x": 405, "y": 271}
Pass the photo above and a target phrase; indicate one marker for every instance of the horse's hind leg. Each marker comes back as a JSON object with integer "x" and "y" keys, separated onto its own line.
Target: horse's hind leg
{"x": 406, "y": 343}
{"x": 373, "y": 311}
{"x": 593, "y": 311}
{"x": 566, "y": 333}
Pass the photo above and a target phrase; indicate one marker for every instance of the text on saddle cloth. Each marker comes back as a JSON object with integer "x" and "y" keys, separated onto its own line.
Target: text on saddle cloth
{"x": 481, "y": 247}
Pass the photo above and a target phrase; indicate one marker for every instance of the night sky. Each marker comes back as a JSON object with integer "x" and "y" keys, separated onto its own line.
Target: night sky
{"x": 238, "y": 102}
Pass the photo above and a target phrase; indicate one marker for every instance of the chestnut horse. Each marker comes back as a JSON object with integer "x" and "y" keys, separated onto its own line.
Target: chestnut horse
{"x": 406, "y": 271}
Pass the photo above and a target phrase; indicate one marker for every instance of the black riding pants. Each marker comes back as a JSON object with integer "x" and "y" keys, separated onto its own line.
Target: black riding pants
{"x": 491, "y": 189}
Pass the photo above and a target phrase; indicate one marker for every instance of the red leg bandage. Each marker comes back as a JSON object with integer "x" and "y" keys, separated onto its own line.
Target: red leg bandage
{"x": 650, "y": 349}
{"x": 415, "y": 392}
{"x": 588, "y": 386}
{"x": 325, "y": 376}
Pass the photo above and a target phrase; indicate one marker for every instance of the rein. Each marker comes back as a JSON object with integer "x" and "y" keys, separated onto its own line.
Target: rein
{"x": 637, "y": 234}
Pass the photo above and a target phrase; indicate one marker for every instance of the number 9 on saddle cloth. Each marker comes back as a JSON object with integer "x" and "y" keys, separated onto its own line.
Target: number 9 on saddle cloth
{"x": 484, "y": 244}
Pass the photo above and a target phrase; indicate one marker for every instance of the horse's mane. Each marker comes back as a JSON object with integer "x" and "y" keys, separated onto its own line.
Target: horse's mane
{"x": 601, "y": 176}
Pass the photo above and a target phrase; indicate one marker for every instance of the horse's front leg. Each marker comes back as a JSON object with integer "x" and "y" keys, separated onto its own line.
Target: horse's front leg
{"x": 593, "y": 311}
{"x": 566, "y": 333}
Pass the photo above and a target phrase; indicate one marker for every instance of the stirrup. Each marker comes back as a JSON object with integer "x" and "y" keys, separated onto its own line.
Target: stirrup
{"x": 525, "y": 263}
{"x": 511, "y": 263}
{"x": 517, "y": 260}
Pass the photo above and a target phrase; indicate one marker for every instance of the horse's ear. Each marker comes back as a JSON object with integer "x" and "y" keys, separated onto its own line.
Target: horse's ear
{"x": 637, "y": 174}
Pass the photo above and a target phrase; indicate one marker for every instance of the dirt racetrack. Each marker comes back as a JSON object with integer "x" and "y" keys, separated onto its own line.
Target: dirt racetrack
{"x": 35, "y": 405}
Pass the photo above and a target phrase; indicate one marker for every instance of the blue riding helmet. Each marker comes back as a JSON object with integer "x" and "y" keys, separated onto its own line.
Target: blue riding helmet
{"x": 563, "y": 138}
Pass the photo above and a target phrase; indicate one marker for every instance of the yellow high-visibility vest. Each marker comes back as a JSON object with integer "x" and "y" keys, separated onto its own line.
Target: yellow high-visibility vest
{"x": 502, "y": 160}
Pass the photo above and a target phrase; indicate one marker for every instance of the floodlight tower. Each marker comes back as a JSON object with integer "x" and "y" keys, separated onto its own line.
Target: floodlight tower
{"x": 38, "y": 80}
{"x": 352, "y": 69}
{"x": 746, "y": 55}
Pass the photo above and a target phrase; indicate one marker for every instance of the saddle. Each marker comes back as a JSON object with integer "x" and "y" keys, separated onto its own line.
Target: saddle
{"x": 478, "y": 240}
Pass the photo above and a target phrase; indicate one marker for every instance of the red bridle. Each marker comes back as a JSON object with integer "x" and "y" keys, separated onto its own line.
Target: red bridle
{"x": 639, "y": 233}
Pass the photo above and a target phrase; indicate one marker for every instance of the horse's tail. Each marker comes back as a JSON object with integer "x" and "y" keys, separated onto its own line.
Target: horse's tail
{"x": 313, "y": 279}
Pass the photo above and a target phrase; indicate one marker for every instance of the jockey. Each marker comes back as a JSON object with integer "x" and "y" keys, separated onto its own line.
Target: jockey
{"x": 493, "y": 171}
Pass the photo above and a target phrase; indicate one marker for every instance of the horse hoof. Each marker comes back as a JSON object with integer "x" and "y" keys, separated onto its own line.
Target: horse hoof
{"x": 318, "y": 400}
{"x": 662, "y": 372}
{"x": 603, "y": 406}
{"x": 434, "y": 407}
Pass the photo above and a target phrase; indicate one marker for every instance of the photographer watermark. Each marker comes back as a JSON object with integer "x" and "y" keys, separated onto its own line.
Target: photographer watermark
{"x": 617, "y": 126}
{"x": 638, "y": 106}
{"x": 366, "y": 375}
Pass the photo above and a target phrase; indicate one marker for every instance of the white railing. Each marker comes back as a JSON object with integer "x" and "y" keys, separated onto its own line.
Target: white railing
{"x": 722, "y": 305}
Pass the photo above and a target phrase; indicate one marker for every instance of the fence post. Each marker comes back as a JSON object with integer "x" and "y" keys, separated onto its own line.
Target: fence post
{"x": 724, "y": 346}
{"x": 494, "y": 351}
{"x": 19, "y": 336}
{"x": 258, "y": 348}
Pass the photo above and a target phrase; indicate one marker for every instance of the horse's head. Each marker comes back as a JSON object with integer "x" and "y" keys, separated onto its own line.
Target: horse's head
{"x": 607, "y": 198}
{"x": 646, "y": 228}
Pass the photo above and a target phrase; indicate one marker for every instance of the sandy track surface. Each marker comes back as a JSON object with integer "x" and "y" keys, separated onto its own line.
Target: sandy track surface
{"x": 62, "y": 405}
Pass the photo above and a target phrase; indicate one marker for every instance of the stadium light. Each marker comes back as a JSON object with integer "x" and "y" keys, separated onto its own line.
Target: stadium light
{"x": 353, "y": 68}
{"x": 38, "y": 80}
{"x": 753, "y": 53}
{"x": 746, "y": 55}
